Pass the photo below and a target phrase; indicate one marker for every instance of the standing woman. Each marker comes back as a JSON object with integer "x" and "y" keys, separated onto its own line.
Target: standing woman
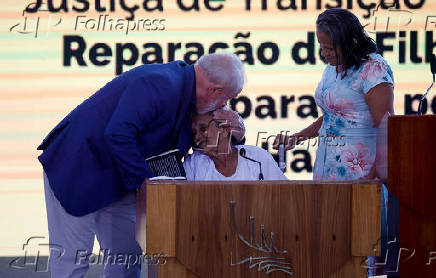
{"x": 355, "y": 93}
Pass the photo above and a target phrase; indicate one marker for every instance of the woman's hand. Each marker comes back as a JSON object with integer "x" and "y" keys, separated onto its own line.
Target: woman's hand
{"x": 307, "y": 133}
{"x": 371, "y": 175}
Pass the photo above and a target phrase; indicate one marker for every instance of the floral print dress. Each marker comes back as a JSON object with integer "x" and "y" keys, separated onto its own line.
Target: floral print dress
{"x": 347, "y": 137}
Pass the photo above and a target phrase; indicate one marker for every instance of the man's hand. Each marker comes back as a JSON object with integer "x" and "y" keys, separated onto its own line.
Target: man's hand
{"x": 143, "y": 188}
{"x": 141, "y": 200}
{"x": 230, "y": 118}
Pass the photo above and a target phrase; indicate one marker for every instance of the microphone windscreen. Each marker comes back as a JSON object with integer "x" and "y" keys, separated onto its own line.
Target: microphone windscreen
{"x": 433, "y": 63}
{"x": 242, "y": 152}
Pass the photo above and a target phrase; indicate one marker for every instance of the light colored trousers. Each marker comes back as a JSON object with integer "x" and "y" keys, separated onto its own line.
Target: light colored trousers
{"x": 72, "y": 239}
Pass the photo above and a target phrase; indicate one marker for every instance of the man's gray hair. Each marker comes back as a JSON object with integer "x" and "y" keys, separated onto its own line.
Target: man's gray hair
{"x": 224, "y": 68}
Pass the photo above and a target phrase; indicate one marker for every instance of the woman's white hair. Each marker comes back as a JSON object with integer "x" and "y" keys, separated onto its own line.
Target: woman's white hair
{"x": 224, "y": 68}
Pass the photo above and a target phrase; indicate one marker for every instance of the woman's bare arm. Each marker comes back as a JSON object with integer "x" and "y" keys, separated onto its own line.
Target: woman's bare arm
{"x": 307, "y": 133}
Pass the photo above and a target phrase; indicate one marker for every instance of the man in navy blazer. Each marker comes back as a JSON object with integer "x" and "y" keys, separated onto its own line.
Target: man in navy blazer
{"x": 94, "y": 159}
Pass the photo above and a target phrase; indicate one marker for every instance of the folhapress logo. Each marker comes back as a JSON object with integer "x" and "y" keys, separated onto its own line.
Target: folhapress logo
{"x": 32, "y": 258}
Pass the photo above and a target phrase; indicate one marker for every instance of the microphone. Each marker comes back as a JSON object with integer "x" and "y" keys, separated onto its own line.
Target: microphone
{"x": 282, "y": 164}
{"x": 242, "y": 153}
{"x": 433, "y": 71}
{"x": 433, "y": 63}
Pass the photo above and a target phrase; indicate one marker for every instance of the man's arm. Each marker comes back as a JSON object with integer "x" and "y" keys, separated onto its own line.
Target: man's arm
{"x": 137, "y": 108}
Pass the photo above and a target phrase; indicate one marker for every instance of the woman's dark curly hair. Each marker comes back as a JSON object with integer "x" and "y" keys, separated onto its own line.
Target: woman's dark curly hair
{"x": 346, "y": 31}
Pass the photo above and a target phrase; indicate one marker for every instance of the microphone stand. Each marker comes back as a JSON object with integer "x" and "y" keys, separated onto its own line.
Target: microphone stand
{"x": 433, "y": 70}
{"x": 424, "y": 96}
{"x": 242, "y": 153}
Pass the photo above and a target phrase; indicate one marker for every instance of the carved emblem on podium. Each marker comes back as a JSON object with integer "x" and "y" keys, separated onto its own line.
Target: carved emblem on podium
{"x": 272, "y": 261}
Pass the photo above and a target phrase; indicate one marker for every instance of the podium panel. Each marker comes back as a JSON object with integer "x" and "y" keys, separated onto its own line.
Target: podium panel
{"x": 260, "y": 229}
{"x": 411, "y": 178}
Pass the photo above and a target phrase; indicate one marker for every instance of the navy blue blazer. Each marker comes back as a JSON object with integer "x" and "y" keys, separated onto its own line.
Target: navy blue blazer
{"x": 97, "y": 152}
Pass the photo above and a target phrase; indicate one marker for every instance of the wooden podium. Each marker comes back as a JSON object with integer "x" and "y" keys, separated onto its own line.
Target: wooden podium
{"x": 412, "y": 179}
{"x": 260, "y": 229}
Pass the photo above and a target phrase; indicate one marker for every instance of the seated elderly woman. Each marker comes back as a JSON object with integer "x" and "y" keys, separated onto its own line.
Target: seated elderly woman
{"x": 216, "y": 158}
